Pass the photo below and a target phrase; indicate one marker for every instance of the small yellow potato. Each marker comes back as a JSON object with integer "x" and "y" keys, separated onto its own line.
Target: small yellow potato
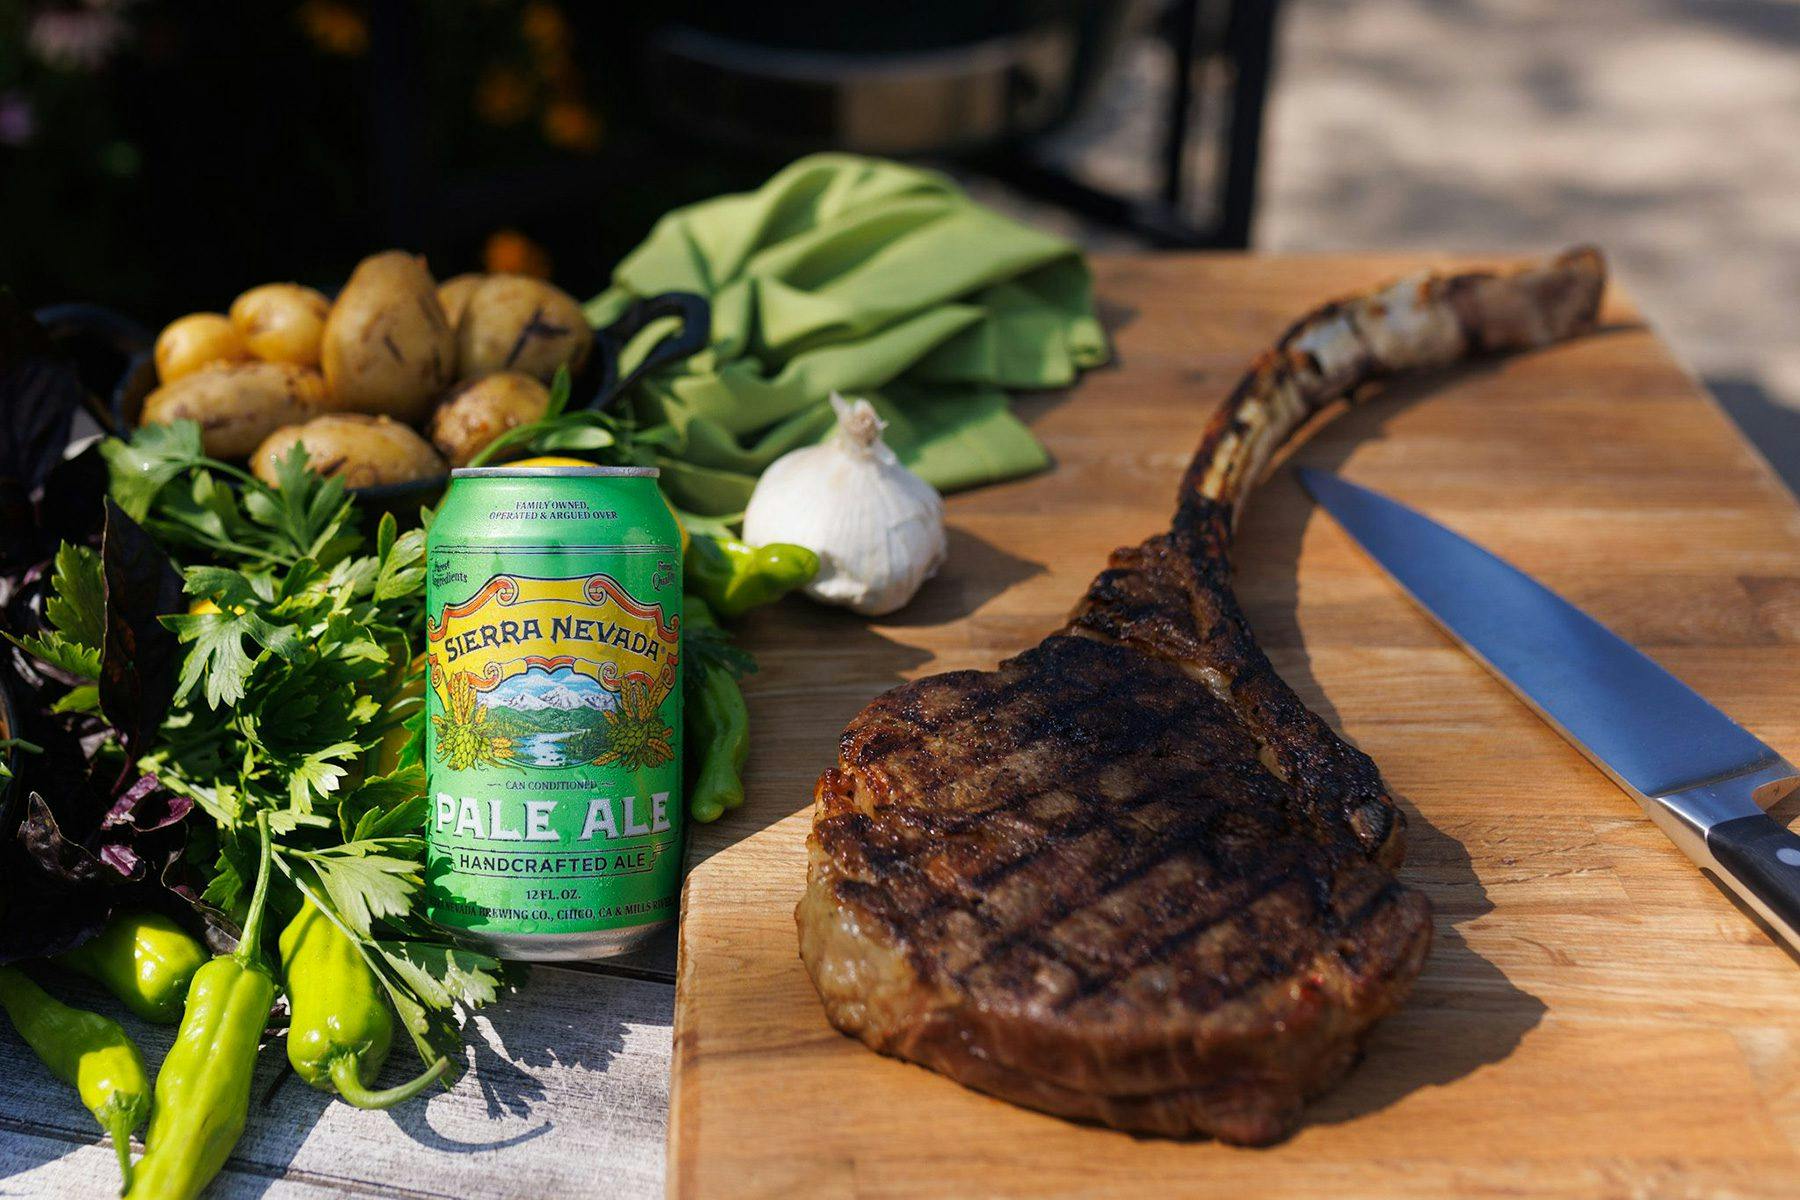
{"x": 282, "y": 322}
{"x": 362, "y": 450}
{"x": 454, "y": 294}
{"x": 388, "y": 348}
{"x": 197, "y": 340}
{"x": 238, "y": 404}
{"x": 515, "y": 323}
{"x": 482, "y": 409}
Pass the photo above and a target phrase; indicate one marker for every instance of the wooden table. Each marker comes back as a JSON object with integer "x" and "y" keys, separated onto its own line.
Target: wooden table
{"x": 567, "y": 1094}
{"x": 1595, "y": 1019}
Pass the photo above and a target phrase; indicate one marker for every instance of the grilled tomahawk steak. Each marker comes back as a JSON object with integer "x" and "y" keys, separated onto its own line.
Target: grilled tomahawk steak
{"x": 1127, "y": 876}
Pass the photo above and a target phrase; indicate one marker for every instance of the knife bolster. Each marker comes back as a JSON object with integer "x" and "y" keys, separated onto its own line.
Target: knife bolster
{"x": 1720, "y": 824}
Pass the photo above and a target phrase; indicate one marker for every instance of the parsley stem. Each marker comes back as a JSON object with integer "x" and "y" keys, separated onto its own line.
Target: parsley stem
{"x": 526, "y": 432}
{"x": 176, "y": 533}
{"x": 242, "y": 476}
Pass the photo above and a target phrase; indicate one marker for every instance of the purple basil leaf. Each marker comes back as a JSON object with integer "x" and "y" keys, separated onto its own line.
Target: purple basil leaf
{"x": 146, "y": 806}
{"x": 122, "y": 858}
{"x": 140, "y": 831}
{"x": 140, "y": 658}
{"x": 55, "y": 854}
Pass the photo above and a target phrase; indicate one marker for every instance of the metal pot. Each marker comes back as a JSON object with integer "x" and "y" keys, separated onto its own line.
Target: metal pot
{"x": 929, "y": 77}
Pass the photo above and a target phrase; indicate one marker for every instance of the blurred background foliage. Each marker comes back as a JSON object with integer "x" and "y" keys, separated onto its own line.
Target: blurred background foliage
{"x": 157, "y": 154}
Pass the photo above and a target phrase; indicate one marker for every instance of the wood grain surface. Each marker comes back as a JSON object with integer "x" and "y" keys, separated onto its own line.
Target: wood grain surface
{"x": 1596, "y": 1018}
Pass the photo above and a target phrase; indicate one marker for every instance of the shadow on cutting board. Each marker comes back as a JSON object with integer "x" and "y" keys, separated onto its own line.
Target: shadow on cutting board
{"x": 975, "y": 571}
{"x": 1464, "y": 1013}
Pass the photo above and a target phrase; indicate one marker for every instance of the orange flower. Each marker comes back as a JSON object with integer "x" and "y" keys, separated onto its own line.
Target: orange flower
{"x": 335, "y": 27}
{"x": 503, "y": 97}
{"x": 573, "y": 126}
{"x": 509, "y": 252}
{"x": 545, "y": 28}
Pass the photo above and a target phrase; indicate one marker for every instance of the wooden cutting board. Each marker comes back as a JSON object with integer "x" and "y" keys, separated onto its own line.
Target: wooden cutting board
{"x": 1596, "y": 1017}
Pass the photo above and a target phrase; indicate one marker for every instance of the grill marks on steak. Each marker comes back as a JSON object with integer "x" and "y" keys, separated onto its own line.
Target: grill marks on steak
{"x": 1065, "y": 876}
{"x": 1105, "y": 862}
{"x": 1127, "y": 876}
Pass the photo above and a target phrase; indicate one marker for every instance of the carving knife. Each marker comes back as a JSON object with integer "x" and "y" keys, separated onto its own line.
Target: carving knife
{"x": 1699, "y": 775}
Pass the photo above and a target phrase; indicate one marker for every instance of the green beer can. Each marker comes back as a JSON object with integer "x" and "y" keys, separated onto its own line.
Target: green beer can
{"x": 553, "y": 738}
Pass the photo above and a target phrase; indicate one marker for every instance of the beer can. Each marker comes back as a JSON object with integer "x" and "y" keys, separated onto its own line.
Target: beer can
{"x": 553, "y": 731}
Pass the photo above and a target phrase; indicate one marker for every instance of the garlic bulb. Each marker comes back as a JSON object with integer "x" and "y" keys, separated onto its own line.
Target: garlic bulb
{"x": 877, "y": 528}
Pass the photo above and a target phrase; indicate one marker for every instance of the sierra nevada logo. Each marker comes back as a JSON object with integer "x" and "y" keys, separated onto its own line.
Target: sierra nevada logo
{"x": 553, "y": 673}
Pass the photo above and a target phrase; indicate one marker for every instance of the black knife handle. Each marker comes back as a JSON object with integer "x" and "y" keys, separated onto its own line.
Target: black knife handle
{"x": 1763, "y": 858}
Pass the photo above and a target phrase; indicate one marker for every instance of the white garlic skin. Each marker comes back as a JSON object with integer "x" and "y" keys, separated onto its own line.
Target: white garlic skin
{"x": 877, "y": 528}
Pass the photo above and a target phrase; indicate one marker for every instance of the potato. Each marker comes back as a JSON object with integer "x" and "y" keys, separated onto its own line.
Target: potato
{"x": 482, "y": 409}
{"x": 282, "y": 322}
{"x": 453, "y": 294}
{"x": 197, "y": 340}
{"x": 514, "y": 323}
{"x": 237, "y": 405}
{"x": 362, "y": 450}
{"x": 388, "y": 347}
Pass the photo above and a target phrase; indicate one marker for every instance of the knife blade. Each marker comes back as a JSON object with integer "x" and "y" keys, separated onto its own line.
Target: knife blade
{"x": 1700, "y": 776}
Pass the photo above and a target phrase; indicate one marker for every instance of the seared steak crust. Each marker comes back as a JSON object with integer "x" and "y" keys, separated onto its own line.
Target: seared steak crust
{"x": 1106, "y": 862}
{"x": 1127, "y": 876}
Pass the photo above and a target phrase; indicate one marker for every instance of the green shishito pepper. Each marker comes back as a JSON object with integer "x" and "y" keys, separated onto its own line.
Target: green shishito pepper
{"x": 340, "y": 1031}
{"x": 86, "y": 1050}
{"x": 717, "y": 724}
{"x": 144, "y": 959}
{"x": 734, "y": 578}
{"x": 203, "y": 1088}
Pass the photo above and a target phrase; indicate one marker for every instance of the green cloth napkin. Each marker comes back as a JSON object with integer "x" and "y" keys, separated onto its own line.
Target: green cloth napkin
{"x": 865, "y": 277}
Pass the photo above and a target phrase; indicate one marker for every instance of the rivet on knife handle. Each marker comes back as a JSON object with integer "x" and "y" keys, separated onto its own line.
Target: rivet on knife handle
{"x": 1762, "y": 856}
